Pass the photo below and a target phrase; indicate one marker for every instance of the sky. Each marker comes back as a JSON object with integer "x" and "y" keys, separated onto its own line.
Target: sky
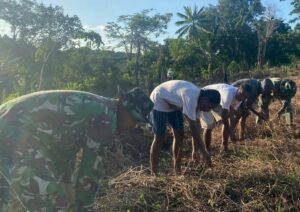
{"x": 94, "y": 14}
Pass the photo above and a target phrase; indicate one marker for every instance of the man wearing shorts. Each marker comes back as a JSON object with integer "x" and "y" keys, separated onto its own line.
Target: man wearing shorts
{"x": 173, "y": 100}
{"x": 231, "y": 98}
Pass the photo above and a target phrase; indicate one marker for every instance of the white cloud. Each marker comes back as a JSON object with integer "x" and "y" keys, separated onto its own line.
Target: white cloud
{"x": 98, "y": 28}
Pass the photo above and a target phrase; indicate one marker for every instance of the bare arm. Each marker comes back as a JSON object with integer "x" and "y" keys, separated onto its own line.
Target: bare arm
{"x": 227, "y": 127}
{"x": 257, "y": 113}
{"x": 263, "y": 104}
{"x": 232, "y": 118}
{"x": 198, "y": 144}
{"x": 195, "y": 131}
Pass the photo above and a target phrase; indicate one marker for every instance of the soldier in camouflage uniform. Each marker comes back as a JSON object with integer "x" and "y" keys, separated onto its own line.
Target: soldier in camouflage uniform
{"x": 41, "y": 133}
{"x": 284, "y": 90}
{"x": 259, "y": 88}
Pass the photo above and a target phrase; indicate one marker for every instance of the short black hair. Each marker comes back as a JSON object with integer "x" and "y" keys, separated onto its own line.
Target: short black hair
{"x": 212, "y": 95}
{"x": 246, "y": 88}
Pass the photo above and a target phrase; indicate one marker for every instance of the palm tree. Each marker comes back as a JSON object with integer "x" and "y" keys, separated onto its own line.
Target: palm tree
{"x": 191, "y": 22}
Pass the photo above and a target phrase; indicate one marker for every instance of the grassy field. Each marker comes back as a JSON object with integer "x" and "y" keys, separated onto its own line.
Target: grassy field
{"x": 261, "y": 174}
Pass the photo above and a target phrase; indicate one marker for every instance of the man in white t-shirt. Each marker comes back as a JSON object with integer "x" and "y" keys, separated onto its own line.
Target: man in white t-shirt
{"x": 172, "y": 100}
{"x": 231, "y": 98}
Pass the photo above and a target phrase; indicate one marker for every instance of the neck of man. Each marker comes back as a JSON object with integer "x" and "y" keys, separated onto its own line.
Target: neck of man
{"x": 124, "y": 121}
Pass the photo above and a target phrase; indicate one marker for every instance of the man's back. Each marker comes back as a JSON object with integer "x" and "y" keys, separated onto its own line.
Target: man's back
{"x": 227, "y": 93}
{"x": 56, "y": 122}
{"x": 176, "y": 95}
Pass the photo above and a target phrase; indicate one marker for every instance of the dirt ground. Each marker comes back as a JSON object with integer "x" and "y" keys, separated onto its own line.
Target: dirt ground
{"x": 262, "y": 173}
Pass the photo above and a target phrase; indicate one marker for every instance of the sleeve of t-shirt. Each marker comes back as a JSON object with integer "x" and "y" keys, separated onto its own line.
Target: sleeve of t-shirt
{"x": 226, "y": 99}
{"x": 189, "y": 106}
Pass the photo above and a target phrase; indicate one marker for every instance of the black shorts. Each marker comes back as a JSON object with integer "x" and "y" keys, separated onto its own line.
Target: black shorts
{"x": 160, "y": 119}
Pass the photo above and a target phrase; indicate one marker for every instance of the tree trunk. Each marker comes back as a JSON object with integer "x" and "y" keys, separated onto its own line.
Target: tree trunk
{"x": 259, "y": 53}
{"x": 45, "y": 60}
{"x": 136, "y": 68}
{"x": 263, "y": 55}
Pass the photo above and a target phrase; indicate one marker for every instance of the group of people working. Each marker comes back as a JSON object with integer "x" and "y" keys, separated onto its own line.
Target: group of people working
{"x": 41, "y": 133}
{"x": 203, "y": 107}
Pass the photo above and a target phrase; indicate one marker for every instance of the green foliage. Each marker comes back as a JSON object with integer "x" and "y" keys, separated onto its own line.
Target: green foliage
{"x": 233, "y": 67}
{"x": 86, "y": 85}
{"x": 134, "y": 32}
{"x": 281, "y": 46}
{"x": 43, "y": 49}
{"x": 187, "y": 58}
{"x": 92, "y": 39}
{"x": 296, "y": 10}
{"x": 10, "y": 97}
{"x": 190, "y": 24}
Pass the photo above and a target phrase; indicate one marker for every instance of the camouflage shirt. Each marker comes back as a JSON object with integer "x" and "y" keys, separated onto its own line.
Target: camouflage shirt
{"x": 255, "y": 85}
{"x": 41, "y": 133}
{"x": 282, "y": 93}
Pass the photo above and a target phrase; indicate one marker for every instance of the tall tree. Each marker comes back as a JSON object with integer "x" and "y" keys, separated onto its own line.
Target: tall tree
{"x": 265, "y": 28}
{"x": 19, "y": 14}
{"x": 45, "y": 27}
{"x": 52, "y": 31}
{"x": 191, "y": 23}
{"x": 237, "y": 19}
{"x": 134, "y": 33}
{"x": 209, "y": 38}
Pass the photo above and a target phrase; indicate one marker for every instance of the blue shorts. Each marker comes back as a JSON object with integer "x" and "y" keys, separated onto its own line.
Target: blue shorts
{"x": 160, "y": 119}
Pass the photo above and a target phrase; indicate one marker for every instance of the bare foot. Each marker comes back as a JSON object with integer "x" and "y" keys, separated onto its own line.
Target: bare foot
{"x": 196, "y": 157}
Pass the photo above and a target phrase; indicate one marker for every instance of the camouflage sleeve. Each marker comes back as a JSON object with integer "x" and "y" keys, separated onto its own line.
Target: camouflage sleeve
{"x": 100, "y": 128}
{"x": 263, "y": 102}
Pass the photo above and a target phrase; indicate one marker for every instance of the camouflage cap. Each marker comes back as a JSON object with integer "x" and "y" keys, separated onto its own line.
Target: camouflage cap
{"x": 288, "y": 88}
{"x": 138, "y": 104}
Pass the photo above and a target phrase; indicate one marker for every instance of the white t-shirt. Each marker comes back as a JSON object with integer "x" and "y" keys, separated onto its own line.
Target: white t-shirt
{"x": 227, "y": 93}
{"x": 181, "y": 94}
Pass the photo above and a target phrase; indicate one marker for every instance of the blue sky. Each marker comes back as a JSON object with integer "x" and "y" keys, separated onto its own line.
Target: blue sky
{"x": 94, "y": 14}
